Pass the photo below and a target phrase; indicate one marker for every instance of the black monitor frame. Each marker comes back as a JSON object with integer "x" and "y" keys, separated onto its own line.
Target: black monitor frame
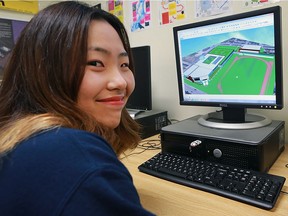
{"x": 236, "y": 112}
{"x": 141, "y": 98}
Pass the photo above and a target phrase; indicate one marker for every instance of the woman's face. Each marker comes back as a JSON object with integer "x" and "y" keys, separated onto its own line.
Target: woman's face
{"x": 108, "y": 81}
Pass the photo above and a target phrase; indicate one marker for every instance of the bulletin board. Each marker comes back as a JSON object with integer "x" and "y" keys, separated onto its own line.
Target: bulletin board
{"x": 9, "y": 33}
{"x": 23, "y": 6}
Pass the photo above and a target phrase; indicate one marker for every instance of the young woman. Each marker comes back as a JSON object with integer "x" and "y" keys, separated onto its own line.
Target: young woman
{"x": 63, "y": 121}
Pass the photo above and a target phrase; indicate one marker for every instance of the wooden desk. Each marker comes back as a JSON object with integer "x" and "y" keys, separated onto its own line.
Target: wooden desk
{"x": 167, "y": 198}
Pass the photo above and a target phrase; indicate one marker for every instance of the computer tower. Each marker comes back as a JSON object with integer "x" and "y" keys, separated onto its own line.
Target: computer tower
{"x": 151, "y": 122}
{"x": 255, "y": 149}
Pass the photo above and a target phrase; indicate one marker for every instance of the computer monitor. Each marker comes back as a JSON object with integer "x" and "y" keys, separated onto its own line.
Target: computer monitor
{"x": 233, "y": 62}
{"x": 141, "y": 98}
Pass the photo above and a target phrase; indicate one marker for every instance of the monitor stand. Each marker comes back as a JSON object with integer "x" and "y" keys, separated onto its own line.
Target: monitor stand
{"x": 134, "y": 112}
{"x": 233, "y": 118}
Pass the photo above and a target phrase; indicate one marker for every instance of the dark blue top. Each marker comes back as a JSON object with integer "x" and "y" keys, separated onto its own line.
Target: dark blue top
{"x": 66, "y": 172}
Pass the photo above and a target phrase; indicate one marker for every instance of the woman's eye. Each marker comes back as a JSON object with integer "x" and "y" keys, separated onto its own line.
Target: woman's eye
{"x": 95, "y": 63}
{"x": 125, "y": 65}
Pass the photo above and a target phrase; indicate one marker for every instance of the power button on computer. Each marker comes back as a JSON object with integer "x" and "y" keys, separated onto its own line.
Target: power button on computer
{"x": 217, "y": 153}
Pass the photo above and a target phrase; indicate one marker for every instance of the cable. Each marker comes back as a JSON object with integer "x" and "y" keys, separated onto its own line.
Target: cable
{"x": 149, "y": 144}
{"x": 172, "y": 121}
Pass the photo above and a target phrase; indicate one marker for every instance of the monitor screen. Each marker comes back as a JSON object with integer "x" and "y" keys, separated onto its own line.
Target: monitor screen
{"x": 233, "y": 62}
{"x": 141, "y": 98}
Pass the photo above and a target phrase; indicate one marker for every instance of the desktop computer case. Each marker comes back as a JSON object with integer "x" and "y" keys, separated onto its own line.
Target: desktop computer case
{"x": 255, "y": 149}
{"x": 151, "y": 122}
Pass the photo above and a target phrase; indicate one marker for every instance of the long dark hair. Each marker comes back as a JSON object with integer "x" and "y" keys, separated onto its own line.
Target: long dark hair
{"x": 46, "y": 67}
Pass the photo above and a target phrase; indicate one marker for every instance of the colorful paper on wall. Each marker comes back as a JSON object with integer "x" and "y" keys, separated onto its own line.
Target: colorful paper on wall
{"x": 255, "y": 3}
{"x": 141, "y": 17}
{"x": 206, "y": 8}
{"x": 116, "y": 7}
{"x": 20, "y": 6}
{"x": 171, "y": 11}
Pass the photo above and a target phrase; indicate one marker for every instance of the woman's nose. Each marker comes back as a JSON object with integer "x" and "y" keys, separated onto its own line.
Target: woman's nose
{"x": 117, "y": 80}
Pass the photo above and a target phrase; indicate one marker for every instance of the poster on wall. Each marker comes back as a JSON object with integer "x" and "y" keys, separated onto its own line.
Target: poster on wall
{"x": 255, "y": 3}
{"x": 116, "y": 7}
{"x": 9, "y": 33}
{"x": 206, "y": 8}
{"x": 171, "y": 11}
{"x": 23, "y": 6}
{"x": 141, "y": 17}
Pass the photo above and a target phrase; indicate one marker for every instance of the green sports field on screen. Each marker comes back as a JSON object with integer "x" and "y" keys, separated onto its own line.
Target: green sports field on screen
{"x": 240, "y": 66}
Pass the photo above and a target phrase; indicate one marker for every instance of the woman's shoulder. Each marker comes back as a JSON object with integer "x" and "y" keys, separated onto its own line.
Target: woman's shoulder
{"x": 62, "y": 153}
{"x": 70, "y": 141}
{"x": 66, "y": 147}
{"x": 58, "y": 164}
{"x": 67, "y": 134}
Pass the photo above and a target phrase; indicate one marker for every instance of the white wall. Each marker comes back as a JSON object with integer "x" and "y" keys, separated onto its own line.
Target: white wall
{"x": 160, "y": 39}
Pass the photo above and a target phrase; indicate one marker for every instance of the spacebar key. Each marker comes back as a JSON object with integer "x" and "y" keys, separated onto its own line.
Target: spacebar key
{"x": 171, "y": 172}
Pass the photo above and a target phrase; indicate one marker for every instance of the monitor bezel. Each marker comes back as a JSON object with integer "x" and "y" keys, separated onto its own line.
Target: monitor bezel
{"x": 276, "y": 10}
{"x": 141, "y": 97}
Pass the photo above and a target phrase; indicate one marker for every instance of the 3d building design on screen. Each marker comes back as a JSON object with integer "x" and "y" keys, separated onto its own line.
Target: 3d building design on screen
{"x": 216, "y": 68}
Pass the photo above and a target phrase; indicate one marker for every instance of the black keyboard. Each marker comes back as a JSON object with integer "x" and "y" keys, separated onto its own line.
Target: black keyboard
{"x": 248, "y": 186}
